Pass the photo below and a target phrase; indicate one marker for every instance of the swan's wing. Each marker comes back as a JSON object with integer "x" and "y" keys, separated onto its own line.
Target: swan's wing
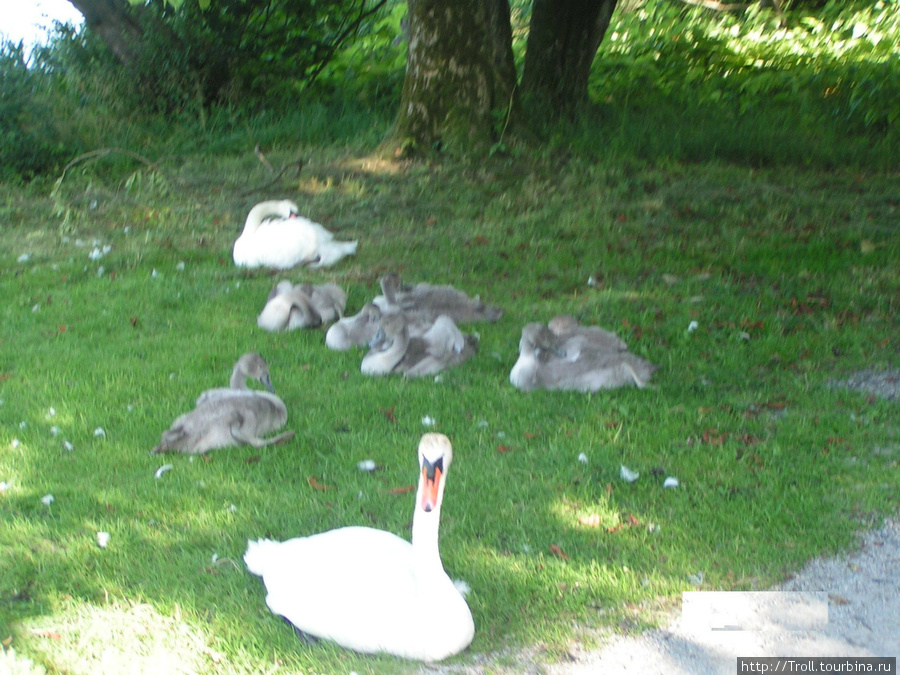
{"x": 338, "y": 584}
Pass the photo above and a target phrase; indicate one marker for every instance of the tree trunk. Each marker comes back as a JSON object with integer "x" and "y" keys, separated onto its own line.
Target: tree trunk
{"x": 114, "y": 24}
{"x": 563, "y": 41}
{"x": 460, "y": 79}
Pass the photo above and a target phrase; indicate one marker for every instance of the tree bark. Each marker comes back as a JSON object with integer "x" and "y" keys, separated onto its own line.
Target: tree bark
{"x": 460, "y": 81}
{"x": 563, "y": 41}
{"x": 114, "y": 24}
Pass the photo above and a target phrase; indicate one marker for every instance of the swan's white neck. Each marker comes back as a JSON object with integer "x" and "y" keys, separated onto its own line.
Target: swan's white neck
{"x": 425, "y": 540}
{"x": 256, "y": 216}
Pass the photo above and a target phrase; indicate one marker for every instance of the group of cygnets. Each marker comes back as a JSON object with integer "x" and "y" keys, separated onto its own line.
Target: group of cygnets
{"x": 364, "y": 588}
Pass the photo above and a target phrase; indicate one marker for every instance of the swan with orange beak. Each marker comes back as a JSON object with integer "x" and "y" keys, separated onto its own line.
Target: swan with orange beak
{"x": 368, "y": 589}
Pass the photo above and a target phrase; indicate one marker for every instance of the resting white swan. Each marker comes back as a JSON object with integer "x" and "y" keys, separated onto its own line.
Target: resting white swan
{"x": 233, "y": 416}
{"x": 544, "y": 364}
{"x": 303, "y": 306}
{"x": 394, "y": 351}
{"x": 367, "y": 589}
{"x": 275, "y": 235}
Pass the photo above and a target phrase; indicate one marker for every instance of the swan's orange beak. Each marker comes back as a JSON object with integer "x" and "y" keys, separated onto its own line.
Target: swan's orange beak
{"x": 431, "y": 481}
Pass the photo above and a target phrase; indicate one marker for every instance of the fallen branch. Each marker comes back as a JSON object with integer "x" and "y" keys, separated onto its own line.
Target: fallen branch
{"x": 262, "y": 158}
{"x": 104, "y": 152}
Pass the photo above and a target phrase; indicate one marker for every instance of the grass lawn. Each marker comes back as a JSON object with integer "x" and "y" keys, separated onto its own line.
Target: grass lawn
{"x": 791, "y": 276}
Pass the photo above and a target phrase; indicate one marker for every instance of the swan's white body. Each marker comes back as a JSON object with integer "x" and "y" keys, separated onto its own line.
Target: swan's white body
{"x": 276, "y": 236}
{"x": 543, "y": 363}
{"x": 369, "y": 590}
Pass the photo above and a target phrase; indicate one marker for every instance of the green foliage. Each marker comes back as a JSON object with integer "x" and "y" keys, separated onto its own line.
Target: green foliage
{"x": 29, "y": 142}
{"x": 371, "y": 66}
{"x": 822, "y": 78}
{"x": 243, "y": 53}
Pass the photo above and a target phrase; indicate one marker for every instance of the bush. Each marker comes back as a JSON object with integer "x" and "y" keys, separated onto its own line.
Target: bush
{"x": 29, "y": 139}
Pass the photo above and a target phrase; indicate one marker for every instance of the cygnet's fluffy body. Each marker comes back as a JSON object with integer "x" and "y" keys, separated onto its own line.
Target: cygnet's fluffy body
{"x": 392, "y": 350}
{"x": 544, "y": 364}
{"x": 303, "y": 306}
{"x": 233, "y": 416}
{"x": 431, "y": 301}
{"x": 359, "y": 330}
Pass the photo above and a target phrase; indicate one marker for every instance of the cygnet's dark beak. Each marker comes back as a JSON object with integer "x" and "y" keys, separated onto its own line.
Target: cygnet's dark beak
{"x": 267, "y": 383}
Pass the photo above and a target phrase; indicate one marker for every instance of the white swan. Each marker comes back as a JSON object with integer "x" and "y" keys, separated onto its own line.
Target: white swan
{"x": 303, "y": 306}
{"x": 233, "y": 416}
{"x": 367, "y": 589}
{"x": 543, "y": 363}
{"x": 275, "y": 235}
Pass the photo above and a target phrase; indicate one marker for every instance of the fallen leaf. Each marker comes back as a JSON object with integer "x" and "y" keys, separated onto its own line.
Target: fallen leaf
{"x": 558, "y": 552}
{"x": 713, "y": 437}
{"x": 389, "y": 413}
{"x": 133, "y": 321}
{"x": 252, "y": 460}
{"x": 401, "y": 490}
{"x": 632, "y": 519}
{"x": 503, "y": 448}
{"x": 316, "y": 485}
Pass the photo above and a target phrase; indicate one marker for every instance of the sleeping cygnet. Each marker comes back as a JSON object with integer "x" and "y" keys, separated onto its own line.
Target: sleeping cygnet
{"x": 394, "y": 351}
{"x": 432, "y": 301}
{"x": 302, "y": 306}
{"x": 543, "y": 363}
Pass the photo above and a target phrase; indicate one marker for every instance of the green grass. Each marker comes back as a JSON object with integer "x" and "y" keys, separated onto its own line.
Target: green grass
{"x": 746, "y": 181}
{"x": 790, "y": 275}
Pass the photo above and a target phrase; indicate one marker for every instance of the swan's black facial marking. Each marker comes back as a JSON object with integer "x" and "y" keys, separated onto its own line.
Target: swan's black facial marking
{"x": 432, "y": 473}
{"x": 430, "y": 468}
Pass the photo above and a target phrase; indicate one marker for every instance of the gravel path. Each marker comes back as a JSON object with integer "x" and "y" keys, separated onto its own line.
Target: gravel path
{"x": 863, "y": 592}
